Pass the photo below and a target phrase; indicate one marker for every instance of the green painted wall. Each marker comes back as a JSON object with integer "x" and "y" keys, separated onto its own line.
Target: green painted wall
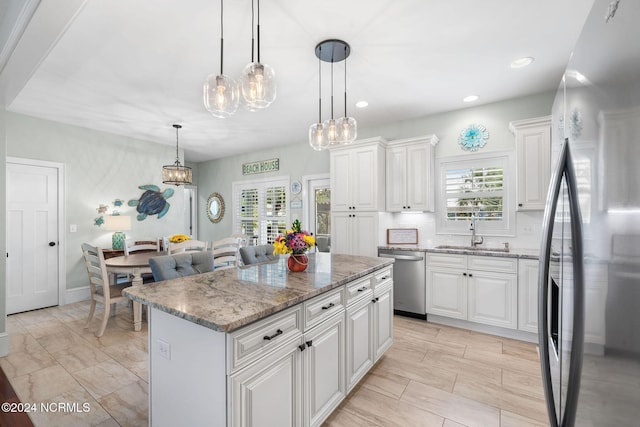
{"x": 296, "y": 160}
{"x": 99, "y": 167}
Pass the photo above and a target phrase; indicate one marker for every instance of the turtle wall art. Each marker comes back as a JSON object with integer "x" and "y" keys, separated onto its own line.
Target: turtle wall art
{"x": 152, "y": 202}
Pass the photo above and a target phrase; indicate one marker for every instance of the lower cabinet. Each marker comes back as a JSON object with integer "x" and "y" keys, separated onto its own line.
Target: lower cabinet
{"x": 528, "y": 295}
{"x": 269, "y": 391}
{"x": 480, "y": 289}
{"x": 302, "y": 379}
{"x": 359, "y": 339}
{"x": 324, "y": 369}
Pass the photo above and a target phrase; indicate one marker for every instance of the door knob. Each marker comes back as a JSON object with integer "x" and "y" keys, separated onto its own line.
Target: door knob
{"x": 52, "y": 243}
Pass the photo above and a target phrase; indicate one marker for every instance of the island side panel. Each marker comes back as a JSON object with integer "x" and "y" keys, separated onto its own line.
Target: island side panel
{"x": 187, "y": 376}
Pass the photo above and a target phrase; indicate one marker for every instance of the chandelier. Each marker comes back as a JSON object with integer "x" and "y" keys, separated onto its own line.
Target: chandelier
{"x": 176, "y": 174}
{"x": 332, "y": 132}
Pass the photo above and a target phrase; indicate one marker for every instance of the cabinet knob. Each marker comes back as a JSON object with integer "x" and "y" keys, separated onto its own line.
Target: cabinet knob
{"x": 302, "y": 347}
{"x": 464, "y": 274}
{"x": 470, "y": 275}
{"x": 309, "y": 343}
{"x": 520, "y": 204}
{"x": 408, "y": 207}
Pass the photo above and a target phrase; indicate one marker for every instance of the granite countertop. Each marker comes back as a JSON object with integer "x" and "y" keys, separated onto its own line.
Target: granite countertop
{"x": 227, "y": 299}
{"x": 498, "y": 252}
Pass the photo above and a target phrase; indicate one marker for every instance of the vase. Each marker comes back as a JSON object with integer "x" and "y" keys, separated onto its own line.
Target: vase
{"x": 297, "y": 262}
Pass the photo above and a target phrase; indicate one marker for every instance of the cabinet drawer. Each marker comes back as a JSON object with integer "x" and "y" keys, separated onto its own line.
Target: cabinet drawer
{"x": 358, "y": 289}
{"x": 446, "y": 260}
{"x": 254, "y": 341}
{"x": 382, "y": 276}
{"x": 322, "y": 307}
{"x": 492, "y": 263}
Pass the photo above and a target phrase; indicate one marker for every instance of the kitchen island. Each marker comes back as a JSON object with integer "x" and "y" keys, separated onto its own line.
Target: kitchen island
{"x": 260, "y": 345}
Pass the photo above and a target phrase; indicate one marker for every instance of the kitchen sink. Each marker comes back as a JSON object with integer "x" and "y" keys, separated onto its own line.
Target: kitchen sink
{"x": 472, "y": 248}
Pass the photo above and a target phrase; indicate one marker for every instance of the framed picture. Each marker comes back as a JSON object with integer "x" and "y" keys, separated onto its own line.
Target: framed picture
{"x": 402, "y": 236}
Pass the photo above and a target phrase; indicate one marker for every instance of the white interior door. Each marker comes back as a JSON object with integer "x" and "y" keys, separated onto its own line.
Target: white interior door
{"x": 32, "y": 237}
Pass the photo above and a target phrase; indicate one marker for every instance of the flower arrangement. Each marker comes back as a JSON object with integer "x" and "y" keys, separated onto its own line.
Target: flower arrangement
{"x": 179, "y": 238}
{"x": 296, "y": 241}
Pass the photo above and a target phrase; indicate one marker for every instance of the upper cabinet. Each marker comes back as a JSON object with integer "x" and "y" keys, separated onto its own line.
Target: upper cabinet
{"x": 533, "y": 150}
{"x": 410, "y": 174}
{"x": 357, "y": 176}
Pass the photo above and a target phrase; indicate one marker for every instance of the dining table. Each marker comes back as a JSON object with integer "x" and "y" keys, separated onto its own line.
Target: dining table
{"x": 136, "y": 265}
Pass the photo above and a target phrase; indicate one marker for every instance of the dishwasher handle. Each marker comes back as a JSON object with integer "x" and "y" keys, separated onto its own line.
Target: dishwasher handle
{"x": 402, "y": 257}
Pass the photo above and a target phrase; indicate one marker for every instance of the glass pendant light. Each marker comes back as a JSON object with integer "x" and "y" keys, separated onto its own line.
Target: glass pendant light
{"x": 258, "y": 84}
{"x": 333, "y": 132}
{"x": 317, "y": 134}
{"x": 347, "y": 126}
{"x": 221, "y": 93}
{"x": 176, "y": 174}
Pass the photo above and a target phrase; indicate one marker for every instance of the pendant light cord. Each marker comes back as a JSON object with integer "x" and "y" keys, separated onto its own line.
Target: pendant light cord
{"x": 253, "y": 31}
{"x": 258, "y": 31}
{"x": 331, "y": 88}
{"x": 345, "y": 81}
{"x": 320, "y": 86}
{"x": 177, "y": 152}
{"x": 221, "y": 35}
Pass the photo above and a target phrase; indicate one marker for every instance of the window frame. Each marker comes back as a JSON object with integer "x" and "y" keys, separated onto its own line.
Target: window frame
{"x": 261, "y": 184}
{"x": 504, "y": 227}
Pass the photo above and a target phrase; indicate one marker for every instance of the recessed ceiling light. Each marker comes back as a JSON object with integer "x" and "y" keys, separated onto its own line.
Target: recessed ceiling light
{"x": 470, "y": 98}
{"x": 362, "y": 104}
{"x": 521, "y": 62}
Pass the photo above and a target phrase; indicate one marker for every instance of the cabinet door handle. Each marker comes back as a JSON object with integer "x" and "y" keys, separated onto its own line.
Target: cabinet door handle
{"x": 470, "y": 275}
{"x": 364, "y": 288}
{"x": 302, "y": 347}
{"x": 327, "y": 307}
{"x": 408, "y": 207}
{"x": 464, "y": 274}
{"x": 376, "y": 299}
{"x": 270, "y": 337}
{"x": 384, "y": 278}
{"x": 520, "y": 204}
{"x": 309, "y": 343}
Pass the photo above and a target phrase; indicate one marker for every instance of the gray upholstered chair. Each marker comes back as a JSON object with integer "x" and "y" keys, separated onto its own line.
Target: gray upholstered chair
{"x": 168, "y": 267}
{"x": 257, "y": 254}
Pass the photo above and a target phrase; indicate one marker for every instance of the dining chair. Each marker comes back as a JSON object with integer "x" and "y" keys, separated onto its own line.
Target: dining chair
{"x": 101, "y": 289}
{"x": 225, "y": 252}
{"x": 132, "y": 246}
{"x": 138, "y": 245}
{"x": 187, "y": 245}
{"x": 257, "y": 254}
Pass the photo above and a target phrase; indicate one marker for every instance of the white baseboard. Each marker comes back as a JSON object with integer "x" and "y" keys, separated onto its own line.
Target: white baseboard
{"x": 492, "y": 330}
{"x": 4, "y": 344}
{"x": 77, "y": 295}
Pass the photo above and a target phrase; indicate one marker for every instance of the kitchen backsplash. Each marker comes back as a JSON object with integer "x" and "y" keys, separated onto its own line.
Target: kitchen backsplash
{"x": 528, "y": 226}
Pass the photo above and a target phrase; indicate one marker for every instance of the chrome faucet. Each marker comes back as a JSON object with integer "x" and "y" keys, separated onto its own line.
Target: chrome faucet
{"x": 475, "y": 240}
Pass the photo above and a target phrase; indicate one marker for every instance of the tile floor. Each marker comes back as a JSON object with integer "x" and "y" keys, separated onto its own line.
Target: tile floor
{"x": 433, "y": 375}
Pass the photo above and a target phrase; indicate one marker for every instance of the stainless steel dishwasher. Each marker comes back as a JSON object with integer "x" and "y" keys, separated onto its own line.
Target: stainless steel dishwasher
{"x": 409, "y": 282}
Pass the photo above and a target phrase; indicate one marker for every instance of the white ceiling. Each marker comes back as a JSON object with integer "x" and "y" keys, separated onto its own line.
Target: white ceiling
{"x": 136, "y": 67}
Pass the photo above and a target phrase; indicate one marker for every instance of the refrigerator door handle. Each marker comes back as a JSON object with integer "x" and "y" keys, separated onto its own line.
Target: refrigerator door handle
{"x": 543, "y": 285}
{"x": 563, "y": 168}
{"x": 577, "y": 337}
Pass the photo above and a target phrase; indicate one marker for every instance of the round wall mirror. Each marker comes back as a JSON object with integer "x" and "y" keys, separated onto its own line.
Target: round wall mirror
{"x": 215, "y": 207}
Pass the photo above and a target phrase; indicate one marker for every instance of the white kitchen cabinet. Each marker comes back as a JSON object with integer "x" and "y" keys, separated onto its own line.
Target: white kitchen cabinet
{"x": 359, "y": 338}
{"x": 324, "y": 369}
{"x": 268, "y": 392}
{"x": 357, "y": 176}
{"x": 410, "y": 174}
{"x": 493, "y": 298}
{"x": 354, "y": 233}
{"x": 481, "y": 289}
{"x": 533, "y": 150}
{"x": 446, "y": 292}
{"x": 382, "y": 318}
{"x": 528, "y": 295}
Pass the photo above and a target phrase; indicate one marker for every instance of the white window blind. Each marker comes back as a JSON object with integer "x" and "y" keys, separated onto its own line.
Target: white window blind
{"x": 260, "y": 209}
{"x": 482, "y": 187}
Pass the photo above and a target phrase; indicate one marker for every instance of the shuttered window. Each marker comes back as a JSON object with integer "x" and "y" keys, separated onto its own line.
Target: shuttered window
{"x": 260, "y": 209}
{"x": 482, "y": 187}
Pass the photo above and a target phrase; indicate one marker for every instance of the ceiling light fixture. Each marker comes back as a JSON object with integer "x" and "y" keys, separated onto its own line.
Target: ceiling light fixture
{"x": 176, "y": 174}
{"x": 522, "y": 62}
{"x": 331, "y": 131}
{"x": 470, "y": 98}
{"x": 258, "y": 80}
{"x": 221, "y": 93}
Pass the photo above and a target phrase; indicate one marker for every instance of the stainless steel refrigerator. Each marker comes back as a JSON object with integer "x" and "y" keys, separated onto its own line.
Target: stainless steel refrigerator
{"x": 589, "y": 283}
